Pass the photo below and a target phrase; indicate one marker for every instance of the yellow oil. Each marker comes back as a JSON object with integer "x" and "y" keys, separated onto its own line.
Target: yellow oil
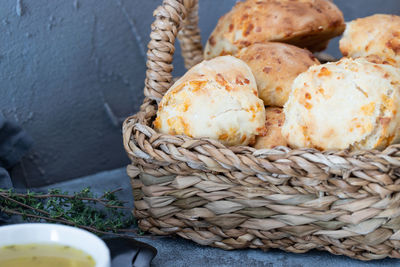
{"x": 44, "y": 255}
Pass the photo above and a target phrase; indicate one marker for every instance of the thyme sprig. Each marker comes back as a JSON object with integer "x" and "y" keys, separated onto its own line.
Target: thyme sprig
{"x": 103, "y": 215}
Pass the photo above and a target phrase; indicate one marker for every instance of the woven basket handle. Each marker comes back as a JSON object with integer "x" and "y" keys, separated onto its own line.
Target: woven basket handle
{"x": 173, "y": 18}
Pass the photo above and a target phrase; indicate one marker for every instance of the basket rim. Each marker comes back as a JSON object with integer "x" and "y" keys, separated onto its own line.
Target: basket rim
{"x": 144, "y": 145}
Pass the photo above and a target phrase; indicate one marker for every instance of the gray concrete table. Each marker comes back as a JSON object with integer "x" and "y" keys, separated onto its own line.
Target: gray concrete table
{"x": 175, "y": 251}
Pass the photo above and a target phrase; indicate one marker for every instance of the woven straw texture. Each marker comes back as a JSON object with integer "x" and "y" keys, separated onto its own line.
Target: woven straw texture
{"x": 240, "y": 197}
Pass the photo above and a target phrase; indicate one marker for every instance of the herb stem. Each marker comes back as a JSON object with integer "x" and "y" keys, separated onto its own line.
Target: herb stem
{"x": 79, "y": 210}
{"x": 24, "y": 205}
{"x": 45, "y": 196}
{"x": 88, "y": 228}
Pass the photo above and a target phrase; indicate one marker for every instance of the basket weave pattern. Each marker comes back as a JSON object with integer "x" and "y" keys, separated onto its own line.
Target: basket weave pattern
{"x": 240, "y": 197}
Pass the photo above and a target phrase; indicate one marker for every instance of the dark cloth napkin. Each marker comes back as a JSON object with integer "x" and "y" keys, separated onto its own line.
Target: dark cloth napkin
{"x": 14, "y": 143}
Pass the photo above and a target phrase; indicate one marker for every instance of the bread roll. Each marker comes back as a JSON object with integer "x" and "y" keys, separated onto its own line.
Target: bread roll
{"x": 350, "y": 104}
{"x": 216, "y": 99}
{"x": 275, "y": 66}
{"x": 375, "y": 37}
{"x": 304, "y": 23}
{"x": 272, "y": 136}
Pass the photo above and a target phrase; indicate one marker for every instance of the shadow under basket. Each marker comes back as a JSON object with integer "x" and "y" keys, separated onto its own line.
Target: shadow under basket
{"x": 238, "y": 197}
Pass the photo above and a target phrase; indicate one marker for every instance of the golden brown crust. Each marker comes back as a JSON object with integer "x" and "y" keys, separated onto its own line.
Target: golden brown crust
{"x": 273, "y": 124}
{"x": 275, "y": 66}
{"x": 376, "y": 38}
{"x": 304, "y": 23}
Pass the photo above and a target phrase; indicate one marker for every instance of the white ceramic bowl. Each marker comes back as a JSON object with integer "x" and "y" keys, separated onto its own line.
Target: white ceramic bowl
{"x": 42, "y": 233}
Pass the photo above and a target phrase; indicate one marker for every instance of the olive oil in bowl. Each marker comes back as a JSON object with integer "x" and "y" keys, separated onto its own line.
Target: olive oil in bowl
{"x": 44, "y": 255}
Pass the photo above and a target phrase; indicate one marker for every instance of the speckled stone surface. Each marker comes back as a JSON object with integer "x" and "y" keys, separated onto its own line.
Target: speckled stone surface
{"x": 175, "y": 251}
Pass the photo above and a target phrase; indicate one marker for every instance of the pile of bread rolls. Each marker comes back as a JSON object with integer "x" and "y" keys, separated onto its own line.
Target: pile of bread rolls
{"x": 260, "y": 84}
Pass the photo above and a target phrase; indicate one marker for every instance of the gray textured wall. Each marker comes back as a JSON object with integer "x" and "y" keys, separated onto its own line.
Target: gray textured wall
{"x": 61, "y": 62}
{"x": 64, "y": 62}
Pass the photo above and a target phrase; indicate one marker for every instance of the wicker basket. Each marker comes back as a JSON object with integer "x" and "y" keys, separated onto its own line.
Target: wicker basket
{"x": 240, "y": 197}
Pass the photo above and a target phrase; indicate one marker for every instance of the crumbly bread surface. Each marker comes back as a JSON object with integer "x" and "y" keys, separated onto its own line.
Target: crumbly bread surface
{"x": 275, "y": 66}
{"x": 304, "y": 23}
{"x": 376, "y": 38}
{"x": 218, "y": 99}
{"x": 348, "y": 104}
{"x": 273, "y": 126}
